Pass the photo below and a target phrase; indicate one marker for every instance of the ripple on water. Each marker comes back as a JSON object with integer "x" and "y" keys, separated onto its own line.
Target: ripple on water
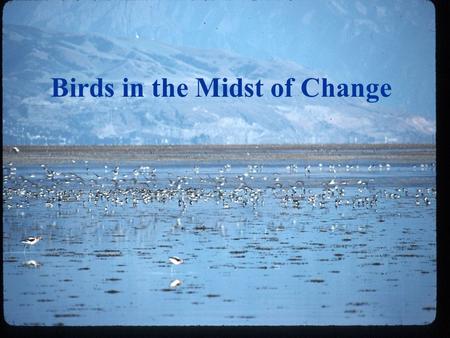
{"x": 357, "y": 304}
{"x": 10, "y": 260}
{"x": 66, "y": 315}
{"x": 246, "y": 317}
{"x": 316, "y": 280}
{"x": 429, "y": 308}
{"x": 168, "y": 289}
{"x": 107, "y": 253}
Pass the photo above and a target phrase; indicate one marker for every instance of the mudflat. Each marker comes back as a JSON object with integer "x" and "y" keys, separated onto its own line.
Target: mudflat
{"x": 400, "y": 153}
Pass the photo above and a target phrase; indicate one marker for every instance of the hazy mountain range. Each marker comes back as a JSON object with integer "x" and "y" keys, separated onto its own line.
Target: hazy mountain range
{"x": 31, "y": 57}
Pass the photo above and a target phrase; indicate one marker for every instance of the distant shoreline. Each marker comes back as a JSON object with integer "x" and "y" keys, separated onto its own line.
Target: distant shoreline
{"x": 399, "y": 153}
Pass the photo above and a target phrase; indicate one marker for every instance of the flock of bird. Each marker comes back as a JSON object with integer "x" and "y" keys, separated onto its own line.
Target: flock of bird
{"x": 142, "y": 185}
{"x": 111, "y": 188}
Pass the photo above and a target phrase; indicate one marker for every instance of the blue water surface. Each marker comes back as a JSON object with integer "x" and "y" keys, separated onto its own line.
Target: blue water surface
{"x": 273, "y": 243}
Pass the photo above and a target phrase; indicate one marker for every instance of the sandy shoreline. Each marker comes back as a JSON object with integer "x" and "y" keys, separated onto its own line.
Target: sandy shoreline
{"x": 399, "y": 153}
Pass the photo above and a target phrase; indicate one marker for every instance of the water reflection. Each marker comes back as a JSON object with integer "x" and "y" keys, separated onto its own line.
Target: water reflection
{"x": 31, "y": 263}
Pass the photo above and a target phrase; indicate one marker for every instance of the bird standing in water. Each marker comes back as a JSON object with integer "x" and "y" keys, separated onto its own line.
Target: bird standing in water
{"x": 32, "y": 240}
{"x": 175, "y": 260}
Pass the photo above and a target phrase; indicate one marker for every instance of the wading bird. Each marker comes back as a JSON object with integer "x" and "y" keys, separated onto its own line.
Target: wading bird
{"x": 175, "y": 260}
{"x": 32, "y": 240}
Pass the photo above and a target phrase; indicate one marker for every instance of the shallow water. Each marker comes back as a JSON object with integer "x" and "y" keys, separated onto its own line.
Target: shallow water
{"x": 269, "y": 243}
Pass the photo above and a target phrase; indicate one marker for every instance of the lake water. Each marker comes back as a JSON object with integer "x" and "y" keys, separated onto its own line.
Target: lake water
{"x": 264, "y": 242}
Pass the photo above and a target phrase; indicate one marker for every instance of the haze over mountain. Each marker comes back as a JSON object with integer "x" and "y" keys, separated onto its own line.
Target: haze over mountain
{"x": 31, "y": 115}
{"x": 147, "y": 41}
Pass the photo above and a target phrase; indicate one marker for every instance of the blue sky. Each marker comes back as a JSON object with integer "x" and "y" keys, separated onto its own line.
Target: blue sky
{"x": 361, "y": 41}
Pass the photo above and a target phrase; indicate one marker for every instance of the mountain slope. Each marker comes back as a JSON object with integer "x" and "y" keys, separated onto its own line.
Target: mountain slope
{"x": 31, "y": 116}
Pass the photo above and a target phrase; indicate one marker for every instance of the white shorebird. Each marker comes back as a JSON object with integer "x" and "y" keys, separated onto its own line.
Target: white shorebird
{"x": 175, "y": 260}
{"x": 32, "y": 240}
{"x": 175, "y": 283}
